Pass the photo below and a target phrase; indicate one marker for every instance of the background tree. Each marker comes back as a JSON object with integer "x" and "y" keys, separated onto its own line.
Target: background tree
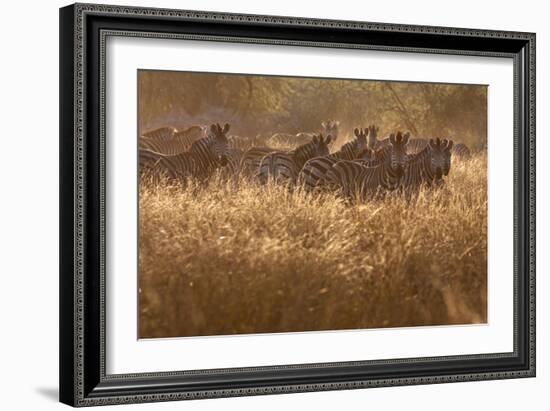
{"x": 268, "y": 104}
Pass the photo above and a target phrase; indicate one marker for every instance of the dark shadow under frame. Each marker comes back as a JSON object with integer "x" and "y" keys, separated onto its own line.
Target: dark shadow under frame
{"x": 83, "y": 32}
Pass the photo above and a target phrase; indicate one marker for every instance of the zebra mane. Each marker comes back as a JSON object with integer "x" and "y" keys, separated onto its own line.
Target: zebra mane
{"x": 305, "y": 151}
{"x": 418, "y": 169}
{"x": 347, "y": 151}
{"x": 382, "y": 155}
{"x": 349, "y": 145}
{"x": 419, "y": 157}
{"x": 205, "y": 142}
{"x": 192, "y": 128}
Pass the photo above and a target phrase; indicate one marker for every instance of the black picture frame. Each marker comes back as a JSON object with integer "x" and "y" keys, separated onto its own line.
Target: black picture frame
{"x": 83, "y": 29}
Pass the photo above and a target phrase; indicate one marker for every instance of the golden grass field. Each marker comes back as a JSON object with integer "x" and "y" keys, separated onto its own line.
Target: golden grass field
{"x": 240, "y": 258}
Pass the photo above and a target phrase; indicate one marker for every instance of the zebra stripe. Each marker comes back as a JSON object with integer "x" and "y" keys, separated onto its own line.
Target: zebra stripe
{"x": 416, "y": 145}
{"x": 148, "y": 160}
{"x": 162, "y": 133}
{"x": 373, "y": 158}
{"x": 244, "y": 143}
{"x": 313, "y": 173}
{"x": 231, "y": 168}
{"x": 286, "y": 166}
{"x": 356, "y": 181}
{"x": 329, "y": 127}
{"x": 204, "y": 157}
{"x": 289, "y": 140}
{"x": 461, "y": 151}
{"x": 373, "y": 142}
{"x": 428, "y": 166}
{"x": 179, "y": 142}
{"x": 180, "y": 166}
{"x": 252, "y": 158}
{"x": 447, "y": 152}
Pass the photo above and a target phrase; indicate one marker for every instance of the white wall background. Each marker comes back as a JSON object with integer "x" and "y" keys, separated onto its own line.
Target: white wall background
{"x": 29, "y": 204}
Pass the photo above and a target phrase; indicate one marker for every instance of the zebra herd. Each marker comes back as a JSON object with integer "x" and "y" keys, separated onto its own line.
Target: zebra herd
{"x": 362, "y": 168}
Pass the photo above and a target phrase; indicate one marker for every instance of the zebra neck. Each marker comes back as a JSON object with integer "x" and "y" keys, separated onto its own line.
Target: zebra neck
{"x": 347, "y": 151}
{"x": 203, "y": 155}
{"x": 302, "y": 154}
{"x": 422, "y": 161}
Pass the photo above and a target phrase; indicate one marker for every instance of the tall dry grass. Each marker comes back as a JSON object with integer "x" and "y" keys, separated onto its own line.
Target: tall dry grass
{"x": 228, "y": 259}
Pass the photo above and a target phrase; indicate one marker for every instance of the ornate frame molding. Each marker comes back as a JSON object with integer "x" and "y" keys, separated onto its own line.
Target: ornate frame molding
{"x": 76, "y": 388}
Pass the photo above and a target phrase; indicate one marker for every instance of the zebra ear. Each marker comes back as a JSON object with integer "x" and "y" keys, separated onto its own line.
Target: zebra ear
{"x": 226, "y": 128}
{"x": 329, "y": 138}
{"x": 449, "y": 145}
{"x": 366, "y": 131}
{"x": 214, "y": 128}
{"x": 431, "y": 143}
{"x": 316, "y": 139}
{"x": 406, "y": 137}
{"x": 324, "y": 124}
{"x": 356, "y": 132}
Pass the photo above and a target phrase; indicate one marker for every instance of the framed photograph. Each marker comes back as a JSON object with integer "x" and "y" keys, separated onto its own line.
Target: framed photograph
{"x": 261, "y": 204}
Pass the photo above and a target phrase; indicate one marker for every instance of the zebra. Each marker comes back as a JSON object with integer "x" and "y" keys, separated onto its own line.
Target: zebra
{"x": 179, "y": 167}
{"x": 332, "y": 128}
{"x": 251, "y": 159}
{"x": 428, "y": 166}
{"x": 375, "y": 144}
{"x": 370, "y": 157}
{"x": 372, "y": 141}
{"x": 233, "y": 157}
{"x": 244, "y": 143}
{"x": 462, "y": 151}
{"x": 204, "y": 157}
{"x": 356, "y": 181}
{"x": 376, "y": 149}
{"x": 286, "y": 166}
{"x": 186, "y": 138}
{"x": 179, "y": 142}
{"x": 313, "y": 173}
{"x": 416, "y": 145}
{"x": 448, "y": 151}
{"x": 329, "y": 127}
{"x": 148, "y": 160}
{"x": 163, "y": 133}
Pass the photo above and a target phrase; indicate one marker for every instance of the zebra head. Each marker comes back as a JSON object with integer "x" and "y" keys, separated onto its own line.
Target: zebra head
{"x": 372, "y": 136}
{"x": 219, "y": 143}
{"x": 360, "y": 139}
{"x": 438, "y": 157}
{"x": 331, "y": 128}
{"x": 367, "y": 154}
{"x": 398, "y": 157}
{"x": 320, "y": 145}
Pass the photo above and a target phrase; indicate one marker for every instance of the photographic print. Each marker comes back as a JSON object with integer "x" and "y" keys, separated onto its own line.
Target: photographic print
{"x": 279, "y": 188}
{"x": 276, "y": 204}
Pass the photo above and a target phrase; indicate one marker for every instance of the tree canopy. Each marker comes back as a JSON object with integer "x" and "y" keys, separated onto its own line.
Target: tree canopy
{"x": 257, "y": 104}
